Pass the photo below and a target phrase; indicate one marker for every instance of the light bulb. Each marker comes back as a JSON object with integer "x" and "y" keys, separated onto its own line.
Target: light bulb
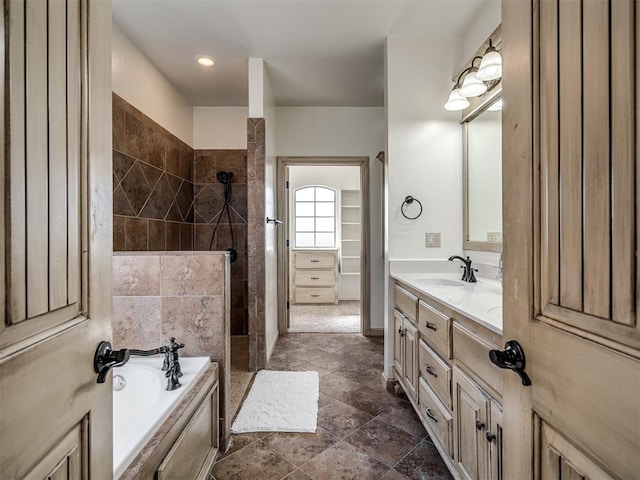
{"x": 456, "y": 102}
{"x": 472, "y": 86}
{"x": 490, "y": 66}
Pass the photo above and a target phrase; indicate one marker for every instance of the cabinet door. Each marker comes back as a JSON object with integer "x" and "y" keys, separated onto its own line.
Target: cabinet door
{"x": 494, "y": 437}
{"x": 410, "y": 358}
{"x": 398, "y": 335}
{"x": 471, "y": 406}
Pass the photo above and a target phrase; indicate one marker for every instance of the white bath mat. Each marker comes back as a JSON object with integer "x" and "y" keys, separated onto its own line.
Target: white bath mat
{"x": 280, "y": 402}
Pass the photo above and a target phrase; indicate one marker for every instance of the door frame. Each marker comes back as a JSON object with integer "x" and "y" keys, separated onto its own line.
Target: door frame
{"x": 283, "y": 164}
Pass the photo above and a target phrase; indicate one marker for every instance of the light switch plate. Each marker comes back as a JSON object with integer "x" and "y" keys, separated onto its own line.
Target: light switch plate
{"x": 433, "y": 239}
{"x": 494, "y": 236}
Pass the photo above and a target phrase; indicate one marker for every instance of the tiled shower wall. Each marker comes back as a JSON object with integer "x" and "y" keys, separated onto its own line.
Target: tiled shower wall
{"x": 209, "y": 200}
{"x": 152, "y": 184}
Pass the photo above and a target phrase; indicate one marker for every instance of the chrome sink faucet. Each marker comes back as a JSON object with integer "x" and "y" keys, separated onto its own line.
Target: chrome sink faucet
{"x": 468, "y": 274}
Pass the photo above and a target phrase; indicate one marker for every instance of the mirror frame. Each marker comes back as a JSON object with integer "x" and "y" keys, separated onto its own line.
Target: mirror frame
{"x": 476, "y": 107}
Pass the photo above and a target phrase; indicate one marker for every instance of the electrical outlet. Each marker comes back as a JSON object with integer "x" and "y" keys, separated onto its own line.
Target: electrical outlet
{"x": 494, "y": 236}
{"x": 433, "y": 239}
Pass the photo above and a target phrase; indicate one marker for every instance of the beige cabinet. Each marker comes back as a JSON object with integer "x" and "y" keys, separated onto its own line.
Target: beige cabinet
{"x": 315, "y": 277}
{"x": 406, "y": 353}
{"x": 478, "y": 427}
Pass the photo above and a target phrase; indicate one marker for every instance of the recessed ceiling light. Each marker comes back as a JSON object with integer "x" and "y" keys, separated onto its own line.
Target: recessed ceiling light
{"x": 205, "y": 61}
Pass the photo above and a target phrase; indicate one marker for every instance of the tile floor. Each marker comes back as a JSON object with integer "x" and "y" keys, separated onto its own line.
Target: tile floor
{"x": 364, "y": 432}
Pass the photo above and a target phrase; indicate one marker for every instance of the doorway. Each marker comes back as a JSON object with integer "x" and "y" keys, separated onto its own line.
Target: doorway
{"x": 323, "y": 248}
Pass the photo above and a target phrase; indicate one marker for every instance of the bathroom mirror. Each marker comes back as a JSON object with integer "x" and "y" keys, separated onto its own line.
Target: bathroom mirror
{"x": 482, "y": 175}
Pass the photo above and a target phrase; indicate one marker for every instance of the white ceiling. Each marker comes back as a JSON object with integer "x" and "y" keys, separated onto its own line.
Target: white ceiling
{"x": 317, "y": 52}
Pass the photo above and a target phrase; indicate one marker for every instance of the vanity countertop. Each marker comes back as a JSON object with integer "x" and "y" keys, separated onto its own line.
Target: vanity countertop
{"x": 480, "y": 301}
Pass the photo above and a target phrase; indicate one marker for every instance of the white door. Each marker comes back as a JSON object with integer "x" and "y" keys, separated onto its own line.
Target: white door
{"x": 570, "y": 201}
{"x": 55, "y": 421}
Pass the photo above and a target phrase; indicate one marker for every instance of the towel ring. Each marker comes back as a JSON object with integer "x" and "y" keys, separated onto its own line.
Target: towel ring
{"x": 408, "y": 201}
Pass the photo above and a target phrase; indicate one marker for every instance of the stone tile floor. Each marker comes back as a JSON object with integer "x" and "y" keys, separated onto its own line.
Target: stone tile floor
{"x": 364, "y": 432}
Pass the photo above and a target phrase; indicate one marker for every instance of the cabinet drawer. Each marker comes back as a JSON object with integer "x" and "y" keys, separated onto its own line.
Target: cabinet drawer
{"x": 194, "y": 452}
{"x": 315, "y": 295}
{"x": 314, "y": 260}
{"x": 436, "y": 373}
{"x": 435, "y": 328}
{"x": 437, "y": 416}
{"x": 473, "y": 352}
{"x": 405, "y": 302}
{"x": 313, "y": 278}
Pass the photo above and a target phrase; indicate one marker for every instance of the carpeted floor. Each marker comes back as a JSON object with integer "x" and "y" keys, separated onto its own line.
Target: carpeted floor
{"x": 341, "y": 318}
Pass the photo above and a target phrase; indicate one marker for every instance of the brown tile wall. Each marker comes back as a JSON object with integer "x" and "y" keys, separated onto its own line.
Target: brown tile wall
{"x": 152, "y": 184}
{"x": 209, "y": 199}
{"x": 255, "y": 234}
{"x": 181, "y": 294}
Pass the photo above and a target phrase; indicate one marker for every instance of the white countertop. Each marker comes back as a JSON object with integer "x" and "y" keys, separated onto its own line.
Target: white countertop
{"x": 480, "y": 301}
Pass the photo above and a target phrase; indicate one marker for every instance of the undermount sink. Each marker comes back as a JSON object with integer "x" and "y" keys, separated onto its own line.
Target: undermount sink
{"x": 440, "y": 282}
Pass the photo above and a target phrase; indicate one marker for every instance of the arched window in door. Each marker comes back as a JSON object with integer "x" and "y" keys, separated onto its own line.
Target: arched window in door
{"x": 315, "y": 217}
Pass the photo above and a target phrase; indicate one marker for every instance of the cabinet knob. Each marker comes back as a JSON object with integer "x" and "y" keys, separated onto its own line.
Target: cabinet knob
{"x": 490, "y": 436}
{"x": 430, "y": 326}
{"x": 480, "y": 425}
{"x": 431, "y": 371}
{"x": 402, "y": 332}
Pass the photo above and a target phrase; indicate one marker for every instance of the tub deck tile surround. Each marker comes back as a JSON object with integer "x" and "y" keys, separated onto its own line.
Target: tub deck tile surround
{"x": 136, "y": 465}
{"x": 364, "y": 431}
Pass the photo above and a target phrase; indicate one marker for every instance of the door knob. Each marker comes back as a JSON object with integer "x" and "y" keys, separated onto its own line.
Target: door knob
{"x": 512, "y": 357}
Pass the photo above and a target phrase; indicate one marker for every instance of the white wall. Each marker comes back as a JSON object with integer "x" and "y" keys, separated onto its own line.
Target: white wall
{"x": 220, "y": 128}
{"x": 424, "y": 148}
{"x": 336, "y": 132}
{"x": 338, "y": 178}
{"x": 139, "y": 82}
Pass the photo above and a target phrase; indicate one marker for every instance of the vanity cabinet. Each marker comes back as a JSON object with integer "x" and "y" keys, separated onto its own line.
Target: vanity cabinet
{"x": 453, "y": 387}
{"x": 315, "y": 277}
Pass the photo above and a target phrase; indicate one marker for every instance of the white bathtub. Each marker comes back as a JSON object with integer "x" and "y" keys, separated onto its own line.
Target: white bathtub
{"x": 144, "y": 403}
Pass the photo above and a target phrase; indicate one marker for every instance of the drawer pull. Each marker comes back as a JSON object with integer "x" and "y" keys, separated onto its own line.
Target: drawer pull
{"x": 315, "y": 295}
{"x": 431, "y": 371}
{"x": 480, "y": 425}
{"x": 314, "y": 261}
{"x": 490, "y": 436}
{"x": 315, "y": 278}
{"x": 430, "y": 414}
{"x": 431, "y": 326}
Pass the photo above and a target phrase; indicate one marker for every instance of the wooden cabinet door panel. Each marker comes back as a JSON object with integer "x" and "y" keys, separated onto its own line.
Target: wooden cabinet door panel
{"x": 398, "y": 343}
{"x": 410, "y": 363}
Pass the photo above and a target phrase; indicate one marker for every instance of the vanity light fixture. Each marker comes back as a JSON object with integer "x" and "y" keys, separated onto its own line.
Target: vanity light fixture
{"x": 205, "y": 61}
{"x": 491, "y": 64}
{"x": 456, "y": 101}
{"x": 473, "y": 85}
